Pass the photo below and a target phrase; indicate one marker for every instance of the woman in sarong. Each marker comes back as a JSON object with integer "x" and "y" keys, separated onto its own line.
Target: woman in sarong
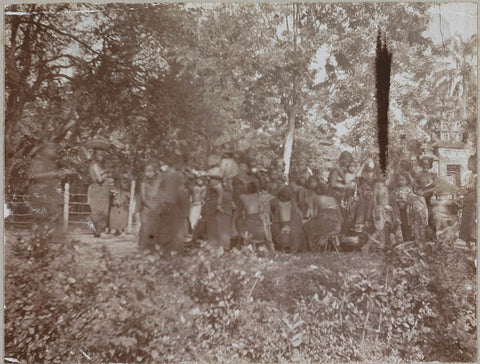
{"x": 386, "y": 219}
{"x": 250, "y": 226}
{"x": 401, "y": 192}
{"x": 326, "y": 218}
{"x": 175, "y": 205}
{"x": 99, "y": 189}
{"x": 240, "y": 182}
{"x": 218, "y": 219}
{"x": 363, "y": 209}
{"x": 417, "y": 216}
{"x": 287, "y": 229}
{"x": 468, "y": 225}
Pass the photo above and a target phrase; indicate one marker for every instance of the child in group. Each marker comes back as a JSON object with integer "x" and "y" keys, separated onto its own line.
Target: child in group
{"x": 151, "y": 206}
{"x": 197, "y": 197}
{"x": 418, "y": 215}
{"x": 401, "y": 192}
{"x": 350, "y": 180}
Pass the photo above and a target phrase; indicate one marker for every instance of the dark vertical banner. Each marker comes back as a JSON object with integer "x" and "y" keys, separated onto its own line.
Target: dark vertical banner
{"x": 383, "y": 64}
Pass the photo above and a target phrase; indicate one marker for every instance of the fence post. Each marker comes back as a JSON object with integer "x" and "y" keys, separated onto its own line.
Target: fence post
{"x": 66, "y": 201}
{"x": 131, "y": 207}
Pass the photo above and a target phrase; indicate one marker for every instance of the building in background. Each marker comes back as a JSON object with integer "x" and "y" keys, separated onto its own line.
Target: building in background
{"x": 453, "y": 153}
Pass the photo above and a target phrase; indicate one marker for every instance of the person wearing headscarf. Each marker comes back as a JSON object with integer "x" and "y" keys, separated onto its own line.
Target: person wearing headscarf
{"x": 100, "y": 187}
{"x": 44, "y": 185}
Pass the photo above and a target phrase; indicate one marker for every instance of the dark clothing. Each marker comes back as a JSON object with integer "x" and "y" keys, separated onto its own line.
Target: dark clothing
{"x": 327, "y": 223}
{"x": 219, "y": 223}
{"x": 336, "y": 175}
{"x": 174, "y": 214}
{"x": 287, "y": 229}
{"x": 98, "y": 198}
{"x": 468, "y": 224}
{"x": 251, "y": 228}
{"x": 150, "y": 210}
{"x": 119, "y": 210}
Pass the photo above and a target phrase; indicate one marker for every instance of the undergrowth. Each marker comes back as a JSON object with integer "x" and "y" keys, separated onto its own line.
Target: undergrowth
{"x": 406, "y": 303}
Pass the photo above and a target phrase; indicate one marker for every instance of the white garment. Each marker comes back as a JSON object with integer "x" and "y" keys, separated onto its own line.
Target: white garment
{"x": 195, "y": 214}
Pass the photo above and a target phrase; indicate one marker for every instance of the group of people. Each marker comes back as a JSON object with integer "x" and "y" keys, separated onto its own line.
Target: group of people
{"x": 234, "y": 200}
{"x": 108, "y": 193}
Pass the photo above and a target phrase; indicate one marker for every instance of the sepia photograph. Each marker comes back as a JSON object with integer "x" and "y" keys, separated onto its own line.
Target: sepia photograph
{"x": 231, "y": 182}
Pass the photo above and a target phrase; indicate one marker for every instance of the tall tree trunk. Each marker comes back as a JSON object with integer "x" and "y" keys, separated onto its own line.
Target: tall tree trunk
{"x": 287, "y": 151}
{"x": 291, "y": 109}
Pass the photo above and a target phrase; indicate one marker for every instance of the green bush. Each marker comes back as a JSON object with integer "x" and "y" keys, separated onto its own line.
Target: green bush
{"x": 407, "y": 303}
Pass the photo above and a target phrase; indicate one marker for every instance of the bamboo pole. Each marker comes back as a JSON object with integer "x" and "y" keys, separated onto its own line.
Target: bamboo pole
{"x": 131, "y": 207}
{"x": 66, "y": 208}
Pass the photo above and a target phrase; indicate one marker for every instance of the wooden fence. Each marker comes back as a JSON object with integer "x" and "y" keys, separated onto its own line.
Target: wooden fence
{"x": 76, "y": 211}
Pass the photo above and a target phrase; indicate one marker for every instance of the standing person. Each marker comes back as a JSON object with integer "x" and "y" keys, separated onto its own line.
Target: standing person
{"x": 402, "y": 190}
{"x": 287, "y": 229}
{"x": 349, "y": 198}
{"x": 175, "y": 210}
{"x": 150, "y": 206}
{"x": 228, "y": 166}
{"x": 297, "y": 191}
{"x": 368, "y": 175}
{"x": 218, "y": 218}
{"x": 119, "y": 206}
{"x": 468, "y": 225}
{"x": 44, "y": 184}
{"x": 197, "y": 198}
{"x": 426, "y": 187}
{"x": 250, "y": 226}
{"x": 416, "y": 169}
{"x": 310, "y": 193}
{"x": 386, "y": 219}
{"x": 326, "y": 218}
{"x": 99, "y": 189}
{"x": 426, "y": 178}
{"x": 336, "y": 177}
{"x": 417, "y": 215}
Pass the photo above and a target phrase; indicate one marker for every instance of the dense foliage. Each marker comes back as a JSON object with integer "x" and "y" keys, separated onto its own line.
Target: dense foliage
{"x": 271, "y": 75}
{"x": 74, "y": 301}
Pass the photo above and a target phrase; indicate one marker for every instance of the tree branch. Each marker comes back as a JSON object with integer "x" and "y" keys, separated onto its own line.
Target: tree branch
{"x": 79, "y": 41}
